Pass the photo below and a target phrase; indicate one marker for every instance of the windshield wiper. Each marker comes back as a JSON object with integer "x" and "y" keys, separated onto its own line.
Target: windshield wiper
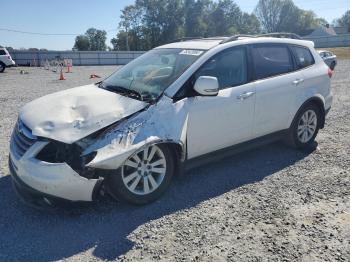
{"x": 123, "y": 91}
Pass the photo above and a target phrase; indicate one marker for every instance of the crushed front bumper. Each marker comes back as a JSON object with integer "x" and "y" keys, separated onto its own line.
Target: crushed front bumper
{"x": 39, "y": 179}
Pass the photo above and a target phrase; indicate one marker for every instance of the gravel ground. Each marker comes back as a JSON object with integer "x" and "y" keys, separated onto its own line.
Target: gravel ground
{"x": 268, "y": 204}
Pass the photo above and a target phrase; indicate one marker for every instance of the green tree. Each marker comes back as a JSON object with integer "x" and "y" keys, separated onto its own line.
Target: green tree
{"x": 196, "y": 17}
{"x": 82, "y": 43}
{"x": 308, "y": 20}
{"x": 284, "y": 16}
{"x": 131, "y": 24}
{"x": 92, "y": 40}
{"x": 249, "y": 24}
{"x": 224, "y": 18}
{"x": 97, "y": 39}
{"x": 162, "y": 20}
{"x": 272, "y": 13}
{"x": 149, "y": 23}
{"x": 9, "y": 48}
{"x": 344, "y": 20}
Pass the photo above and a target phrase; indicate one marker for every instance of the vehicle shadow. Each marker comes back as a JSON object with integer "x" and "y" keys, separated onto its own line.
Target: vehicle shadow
{"x": 30, "y": 235}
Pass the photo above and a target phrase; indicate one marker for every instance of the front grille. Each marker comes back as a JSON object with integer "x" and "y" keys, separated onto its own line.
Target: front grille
{"x": 21, "y": 139}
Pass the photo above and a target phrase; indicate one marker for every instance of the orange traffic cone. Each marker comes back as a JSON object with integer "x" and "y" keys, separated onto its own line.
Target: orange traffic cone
{"x": 61, "y": 75}
{"x": 68, "y": 69}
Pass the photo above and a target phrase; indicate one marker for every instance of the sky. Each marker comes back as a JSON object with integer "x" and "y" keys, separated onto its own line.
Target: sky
{"x": 76, "y": 16}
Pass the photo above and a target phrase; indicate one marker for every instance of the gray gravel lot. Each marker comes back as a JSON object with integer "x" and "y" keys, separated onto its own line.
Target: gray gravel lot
{"x": 268, "y": 204}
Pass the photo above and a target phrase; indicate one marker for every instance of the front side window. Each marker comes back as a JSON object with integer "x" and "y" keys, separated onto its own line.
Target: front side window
{"x": 271, "y": 60}
{"x": 146, "y": 77}
{"x": 229, "y": 67}
{"x": 303, "y": 57}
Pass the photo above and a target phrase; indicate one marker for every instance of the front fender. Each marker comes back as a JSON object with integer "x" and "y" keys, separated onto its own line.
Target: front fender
{"x": 116, "y": 158}
{"x": 164, "y": 122}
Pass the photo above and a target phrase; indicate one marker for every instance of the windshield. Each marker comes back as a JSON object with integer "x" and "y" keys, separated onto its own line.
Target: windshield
{"x": 146, "y": 77}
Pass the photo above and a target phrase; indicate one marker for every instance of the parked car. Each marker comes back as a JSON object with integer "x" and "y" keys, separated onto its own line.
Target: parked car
{"x": 5, "y": 59}
{"x": 329, "y": 58}
{"x": 167, "y": 111}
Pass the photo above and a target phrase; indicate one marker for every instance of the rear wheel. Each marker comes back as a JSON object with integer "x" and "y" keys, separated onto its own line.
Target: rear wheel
{"x": 144, "y": 176}
{"x": 2, "y": 67}
{"x": 305, "y": 127}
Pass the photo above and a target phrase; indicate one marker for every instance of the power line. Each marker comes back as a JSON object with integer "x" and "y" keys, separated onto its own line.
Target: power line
{"x": 45, "y": 34}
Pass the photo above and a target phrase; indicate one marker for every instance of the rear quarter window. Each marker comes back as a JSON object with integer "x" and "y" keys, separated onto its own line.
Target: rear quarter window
{"x": 2, "y": 52}
{"x": 271, "y": 60}
{"x": 303, "y": 57}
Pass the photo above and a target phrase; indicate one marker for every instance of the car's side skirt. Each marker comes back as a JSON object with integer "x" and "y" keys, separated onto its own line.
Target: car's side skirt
{"x": 232, "y": 150}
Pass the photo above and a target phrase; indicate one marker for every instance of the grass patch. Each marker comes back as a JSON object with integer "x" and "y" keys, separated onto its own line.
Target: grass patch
{"x": 340, "y": 52}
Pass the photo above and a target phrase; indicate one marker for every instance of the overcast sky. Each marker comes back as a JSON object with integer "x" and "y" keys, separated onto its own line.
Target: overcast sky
{"x": 76, "y": 16}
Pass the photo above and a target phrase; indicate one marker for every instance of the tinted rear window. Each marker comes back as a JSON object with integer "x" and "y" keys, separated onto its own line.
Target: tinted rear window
{"x": 2, "y": 52}
{"x": 271, "y": 60}
{"x": 303, "y": 57}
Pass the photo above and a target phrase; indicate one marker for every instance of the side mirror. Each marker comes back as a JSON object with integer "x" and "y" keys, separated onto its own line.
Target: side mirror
{"x": 207, "y": 86}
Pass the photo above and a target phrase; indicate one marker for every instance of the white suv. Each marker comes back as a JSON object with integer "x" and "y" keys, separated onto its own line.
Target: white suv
{"x": 165, "y": 111}
{"x": 5, "y": 59}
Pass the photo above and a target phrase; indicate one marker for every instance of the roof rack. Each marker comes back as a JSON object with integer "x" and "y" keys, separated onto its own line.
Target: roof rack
{"x": 234, "y": 38}
{"x": 187, "y": 38}
{"x": 277, "y": 35}
{"x": 281, "y": 35}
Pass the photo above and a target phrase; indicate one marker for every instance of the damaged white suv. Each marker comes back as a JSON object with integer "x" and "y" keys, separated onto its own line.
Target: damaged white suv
{"x": 168, "y": 109}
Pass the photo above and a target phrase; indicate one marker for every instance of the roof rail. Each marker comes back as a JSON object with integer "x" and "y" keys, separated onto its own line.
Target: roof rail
{"x": 281, "y": 35}
{"x": 277, "y": 35}
{"x": 234, "y": 38}
{"x": 187, "y": 38}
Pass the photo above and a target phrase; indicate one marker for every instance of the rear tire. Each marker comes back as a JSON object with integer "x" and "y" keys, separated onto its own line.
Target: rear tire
{"x": 144, "y": 177}
{"x": 305, "y": 127}
{"x": 2, "y": 67}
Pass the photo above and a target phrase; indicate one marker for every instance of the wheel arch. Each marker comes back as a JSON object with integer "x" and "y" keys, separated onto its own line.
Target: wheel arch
{"x": 316, "y": 100}
{"x": 178, "y": 150}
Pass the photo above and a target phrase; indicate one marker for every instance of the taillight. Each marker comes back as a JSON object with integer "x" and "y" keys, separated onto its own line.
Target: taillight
{"x": 9, "y": 57}
{"x": 330, "y": 72}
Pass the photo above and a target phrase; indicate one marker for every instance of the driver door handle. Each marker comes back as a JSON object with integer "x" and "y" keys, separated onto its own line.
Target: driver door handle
{"x": 245, "y": 95}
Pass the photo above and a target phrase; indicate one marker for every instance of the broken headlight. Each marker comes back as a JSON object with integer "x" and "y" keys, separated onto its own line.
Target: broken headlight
{"x": 71, "y": 154}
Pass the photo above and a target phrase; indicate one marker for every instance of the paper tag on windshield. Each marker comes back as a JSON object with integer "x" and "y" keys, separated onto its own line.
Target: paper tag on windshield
{"x": 191, "y": 52}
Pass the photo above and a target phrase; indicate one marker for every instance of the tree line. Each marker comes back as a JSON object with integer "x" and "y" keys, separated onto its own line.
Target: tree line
{"x": 150, "y": 23}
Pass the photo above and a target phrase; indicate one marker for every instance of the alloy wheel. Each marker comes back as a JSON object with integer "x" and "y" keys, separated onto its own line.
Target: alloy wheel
{"x": 144, "y": 172}
{"x": 307, "y": 126}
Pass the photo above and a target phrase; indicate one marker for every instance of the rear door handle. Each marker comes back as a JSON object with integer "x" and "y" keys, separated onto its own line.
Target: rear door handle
{"x": 245, "y": 95}
{"x": 298, "y": 81}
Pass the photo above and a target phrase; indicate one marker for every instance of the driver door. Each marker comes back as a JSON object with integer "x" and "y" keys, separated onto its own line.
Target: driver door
{"x": 226, "y": 119}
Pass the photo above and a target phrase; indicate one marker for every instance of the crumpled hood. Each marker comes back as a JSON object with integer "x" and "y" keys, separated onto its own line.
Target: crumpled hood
{"x": 75, "y": 113}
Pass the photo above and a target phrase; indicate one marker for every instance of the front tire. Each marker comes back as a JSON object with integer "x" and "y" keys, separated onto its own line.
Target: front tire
{"x": 144, "y": 177}
{"x": 305, "y": 127}
{"x": 2, "y": 67}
